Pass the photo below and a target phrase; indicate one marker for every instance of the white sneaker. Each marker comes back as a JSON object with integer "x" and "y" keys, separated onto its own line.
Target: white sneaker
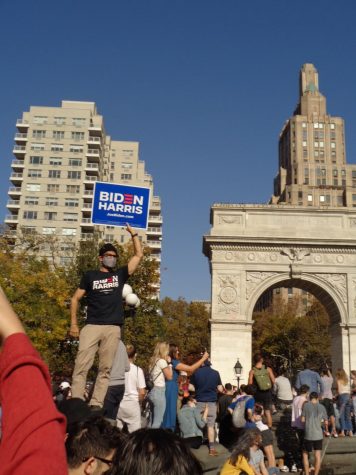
{"x": 284, "y": 468}
{"x": 294, "y": 468}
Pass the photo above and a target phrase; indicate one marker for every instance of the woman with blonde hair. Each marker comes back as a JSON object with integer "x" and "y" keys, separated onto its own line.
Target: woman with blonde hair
{"x": 343, "y": 390}
{"x": 160, "y": 370}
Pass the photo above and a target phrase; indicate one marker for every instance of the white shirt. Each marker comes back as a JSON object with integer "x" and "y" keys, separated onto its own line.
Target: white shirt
{"x": 157, "y": 373}
{"x": 134, "y": 380}
{"x": 283, "y": 389}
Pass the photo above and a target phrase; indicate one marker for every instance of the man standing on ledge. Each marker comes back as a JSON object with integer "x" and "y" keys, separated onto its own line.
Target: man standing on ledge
{"x": 103, "y": 290}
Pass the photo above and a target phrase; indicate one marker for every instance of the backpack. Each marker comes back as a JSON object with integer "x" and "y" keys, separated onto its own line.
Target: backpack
{"x": 238, "y": 416}
{"x": 262, "y": 378}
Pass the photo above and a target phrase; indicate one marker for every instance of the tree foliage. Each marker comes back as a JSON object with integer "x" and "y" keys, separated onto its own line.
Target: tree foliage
{"x": 186, "y": 324}
{"x": 277, "y": 330}
{"x": 39, "y": 295}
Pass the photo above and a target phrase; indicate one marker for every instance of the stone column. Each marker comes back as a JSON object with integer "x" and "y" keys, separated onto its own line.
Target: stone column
{"x": 231, "y": 340}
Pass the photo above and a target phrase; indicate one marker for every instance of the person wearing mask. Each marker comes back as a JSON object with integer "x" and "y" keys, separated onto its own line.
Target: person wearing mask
{"x": 105, "y": 316}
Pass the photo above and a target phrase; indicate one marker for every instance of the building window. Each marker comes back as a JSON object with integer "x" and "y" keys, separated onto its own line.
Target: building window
{"x": 53, "y": 188}
{"x": 76, "y": 148}
{"x": 58, "y": 135}
{"x": 48, "y": 230}
{"x": 79, "y": 121}
{"x": 322, "y": 198}
{"x": 73, "y": 188}
{"x": 335, "y": 182}
{"x": 321, "y": 144}
{"x": 50, "y": 215}
{"x": 69, "y": 231}
{"x": 31, "y": 200}
{"x": 36, "y": 160}
{"x": 310, "y": 198}
{"x": 54, "y": 173}
{"x": 316, "y": 153}
{"x": 126, "y": 176}
{"x": 333, "y": 145}
{"x": 56, "y": 162}
{"x": 78, "y": 136}
{"x": 112, "y": 166}
{"x": 33, "y": 187}
{"x": 75, "y": 162}
{"x": 50, "y": 201}
{"x": 304, "y": 124}
{"x": 305, "y": 153}
{"x": 40, "y": 119}
{"x": 70, "y": 217}
{"x": 38, "y": 147}
{"x": 56, "y": 147}
{"x": 38, "y": 134}
{"x": 30, "y": 215}
{"x": 354, "y": 197}
{"x": 112, "y": 177}
{"x": 332, "y": 126}
{"x": 327, "y": 199}
{"x": 59, "y": 120}
{"x": 300, "y": 197}
{"x": 340, "y": 201}
{"x": 74, "y": 175}
{"x": 304, "y": 143}
{"x": 71, "y": 202}
{"x": 34, "y": 173}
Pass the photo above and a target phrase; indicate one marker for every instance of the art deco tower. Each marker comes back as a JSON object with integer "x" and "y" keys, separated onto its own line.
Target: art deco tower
{"x": 312, "y": 159}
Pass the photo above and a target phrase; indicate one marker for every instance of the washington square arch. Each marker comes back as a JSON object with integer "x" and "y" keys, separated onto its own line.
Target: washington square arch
{"x": 305, "y": 238}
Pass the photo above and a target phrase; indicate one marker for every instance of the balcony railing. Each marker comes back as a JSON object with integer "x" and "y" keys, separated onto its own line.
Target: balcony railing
{"x": 18, "y": 162}
{"x": 93, "y": 151}
{"x": 11, "y": 217}
{"x": 88, "y": 192}
{"x": 92, "y": 166}
{"x": 87, "y": 206}
{"x": 86, "y": 221}
{"x": 16, "y": 175}
{"x": 13, "y": 202}
{"x": 90, "y": 178}
{"x": 19, "y": 148}
{"x": 155, "y": 219}
{"x": 22, "y": 123}
{"x": 20, "y": 136}
{"x": 15, "y": 189}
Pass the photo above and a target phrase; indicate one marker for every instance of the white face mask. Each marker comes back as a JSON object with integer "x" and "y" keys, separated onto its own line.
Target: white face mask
{"x": 109, "y": 262}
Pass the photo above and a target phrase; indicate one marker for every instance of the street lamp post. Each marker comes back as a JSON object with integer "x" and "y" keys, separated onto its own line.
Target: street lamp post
{"x": 238, "y": 371}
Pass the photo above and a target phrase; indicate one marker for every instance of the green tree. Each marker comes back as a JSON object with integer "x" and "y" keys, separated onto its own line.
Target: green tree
{"x": 39, "y": 294}
{"x": 306, "y": 337}
{"x": 186, "y": 324}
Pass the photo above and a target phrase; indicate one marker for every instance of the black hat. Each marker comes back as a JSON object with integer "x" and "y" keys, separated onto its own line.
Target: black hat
{"x": 107, "y": 247}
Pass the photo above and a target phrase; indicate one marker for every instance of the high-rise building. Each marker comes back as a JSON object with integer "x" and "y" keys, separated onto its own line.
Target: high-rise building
{"x": 60, "y": 153}
{"x": 312, "y": 157}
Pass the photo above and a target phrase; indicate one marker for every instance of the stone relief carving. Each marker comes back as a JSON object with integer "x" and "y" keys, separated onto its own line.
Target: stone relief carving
{"x": 253, "y": 279}
{"x": 296, "y": 255}
{"x": 352, "y": 222}
{"x": 228, "y": 293}
{"x": 354, "y": 285}
{"x": 338, "y": 282}
{"x": 230, "y": 219}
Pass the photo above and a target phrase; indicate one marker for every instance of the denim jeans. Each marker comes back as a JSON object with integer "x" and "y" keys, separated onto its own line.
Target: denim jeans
{"x": 345, "y": 412}
{"x": 158, "y": 398}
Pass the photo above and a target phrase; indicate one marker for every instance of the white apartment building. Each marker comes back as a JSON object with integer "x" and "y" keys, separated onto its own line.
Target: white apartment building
{"x": 60, "y": 152}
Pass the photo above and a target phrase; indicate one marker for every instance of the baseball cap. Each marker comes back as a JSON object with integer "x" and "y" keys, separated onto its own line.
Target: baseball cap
{"x": 107, "y": 247}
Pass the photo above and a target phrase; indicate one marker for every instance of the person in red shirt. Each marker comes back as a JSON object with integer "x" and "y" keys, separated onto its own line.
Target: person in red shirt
{"x": 33, "y": 430}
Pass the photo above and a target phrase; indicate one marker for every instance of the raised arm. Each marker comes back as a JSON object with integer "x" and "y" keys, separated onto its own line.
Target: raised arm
{"x": 74, "y": 329}
{"x": 193, "y": 367}
{"x": 135, "y": 260}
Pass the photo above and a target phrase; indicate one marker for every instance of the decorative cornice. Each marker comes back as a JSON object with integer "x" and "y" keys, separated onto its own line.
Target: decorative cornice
{"x": 279, "y": 248}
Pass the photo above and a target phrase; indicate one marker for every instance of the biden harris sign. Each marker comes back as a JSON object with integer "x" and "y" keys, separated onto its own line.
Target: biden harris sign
{"x": 116, "y": 205}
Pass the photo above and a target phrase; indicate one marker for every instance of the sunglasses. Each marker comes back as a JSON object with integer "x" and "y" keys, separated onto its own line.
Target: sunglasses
{"x": 107, "y": 461}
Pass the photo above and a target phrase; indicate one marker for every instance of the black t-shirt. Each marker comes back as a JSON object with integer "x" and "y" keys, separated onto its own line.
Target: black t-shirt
{"x": 104, "y": 296}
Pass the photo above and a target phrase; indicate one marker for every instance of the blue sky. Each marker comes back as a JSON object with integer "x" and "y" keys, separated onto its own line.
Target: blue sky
{"x": 205, "y": 87}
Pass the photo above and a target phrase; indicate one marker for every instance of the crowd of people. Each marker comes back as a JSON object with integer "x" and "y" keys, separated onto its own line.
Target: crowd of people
{"x": 131, "y": 422}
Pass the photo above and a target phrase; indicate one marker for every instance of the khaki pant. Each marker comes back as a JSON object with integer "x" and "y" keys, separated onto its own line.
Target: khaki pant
{"x": 92, "y": 337}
